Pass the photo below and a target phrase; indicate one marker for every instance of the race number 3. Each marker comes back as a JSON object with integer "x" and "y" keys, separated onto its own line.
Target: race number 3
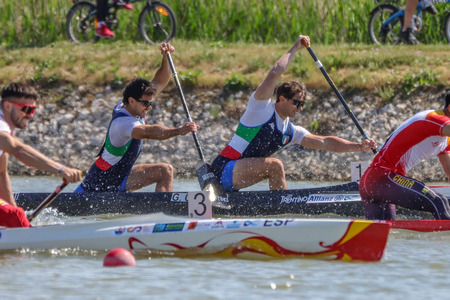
{"x": 357, "y": 169}
{"x": 199, "y": 205}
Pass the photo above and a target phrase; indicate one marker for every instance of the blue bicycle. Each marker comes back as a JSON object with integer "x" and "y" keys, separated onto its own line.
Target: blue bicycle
{"x": 386, "y": 22}
{"x": 157, "y": 23}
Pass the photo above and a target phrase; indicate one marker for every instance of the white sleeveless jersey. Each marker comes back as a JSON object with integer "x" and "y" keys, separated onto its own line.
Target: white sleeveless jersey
{"x": 4, "y": 126}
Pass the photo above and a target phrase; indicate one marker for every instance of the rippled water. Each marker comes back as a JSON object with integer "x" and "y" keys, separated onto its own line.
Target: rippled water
{"x": 415, "y": 266}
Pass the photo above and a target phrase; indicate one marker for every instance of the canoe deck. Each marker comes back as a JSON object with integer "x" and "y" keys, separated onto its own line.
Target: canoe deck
{"x": 330, "y": 239}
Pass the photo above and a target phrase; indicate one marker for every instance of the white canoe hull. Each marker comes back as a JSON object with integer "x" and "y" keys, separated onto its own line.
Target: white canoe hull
{"x": 259, "y": 238}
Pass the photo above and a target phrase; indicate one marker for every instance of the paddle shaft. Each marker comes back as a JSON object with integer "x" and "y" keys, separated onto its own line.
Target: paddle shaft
{"x": 183, "y": 100}
{"x": 333, "y": 86}
{"x": 47, "y": 201}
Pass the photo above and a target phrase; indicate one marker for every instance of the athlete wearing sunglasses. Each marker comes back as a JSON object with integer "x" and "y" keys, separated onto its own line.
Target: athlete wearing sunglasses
{"x": 28, "y": 109}
{"x": 266, "y": 127}
{"x": 115, "y": 169}
{"x": 145, "y": 103}
{"x": 17, "y": 106}
{"x": 298, "y": 103}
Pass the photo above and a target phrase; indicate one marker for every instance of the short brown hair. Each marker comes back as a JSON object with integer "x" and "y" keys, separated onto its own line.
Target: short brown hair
{"x": 138, "y": 87}
{"x": 290, "y": 88}
{"x": 18, "y": 90}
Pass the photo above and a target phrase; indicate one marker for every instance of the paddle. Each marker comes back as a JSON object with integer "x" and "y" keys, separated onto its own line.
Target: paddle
{"x": 206, "y": 177}
{"x": 333, "y": 86}
{"x": 47, "y": 201}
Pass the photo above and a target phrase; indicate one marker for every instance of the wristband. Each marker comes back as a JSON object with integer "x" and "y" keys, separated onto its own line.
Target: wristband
{"x": 60, "y": 170}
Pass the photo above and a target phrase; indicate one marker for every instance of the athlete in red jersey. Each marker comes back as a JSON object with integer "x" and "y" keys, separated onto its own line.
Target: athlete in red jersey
{"x": 385, "y": 183}
{"x": 17, "y": 106}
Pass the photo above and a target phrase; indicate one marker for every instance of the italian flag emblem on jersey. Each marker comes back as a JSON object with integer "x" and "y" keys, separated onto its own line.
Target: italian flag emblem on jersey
{"x": 285, "y": 139}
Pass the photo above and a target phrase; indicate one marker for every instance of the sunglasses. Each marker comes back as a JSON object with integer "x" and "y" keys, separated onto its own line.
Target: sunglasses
{"x": 144, "y": 103}
{"x": 28, "y": 109}
{"x": 298, "y": 103}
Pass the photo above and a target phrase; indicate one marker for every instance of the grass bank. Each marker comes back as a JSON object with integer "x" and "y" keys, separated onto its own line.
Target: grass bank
{"x": 381, "y": 71}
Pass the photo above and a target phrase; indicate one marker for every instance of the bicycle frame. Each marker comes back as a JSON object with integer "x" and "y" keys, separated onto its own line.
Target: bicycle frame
{"x": 401, "y": 13}
{"x": 156, "y": 23}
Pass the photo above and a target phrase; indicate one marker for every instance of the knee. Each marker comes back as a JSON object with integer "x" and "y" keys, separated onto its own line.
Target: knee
{"x": 276, "y": 166}
{"x": 167, "y": 170}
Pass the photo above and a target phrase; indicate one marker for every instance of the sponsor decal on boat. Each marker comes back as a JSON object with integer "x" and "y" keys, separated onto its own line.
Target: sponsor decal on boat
{"x": 251, "y": 223}
{"x": 133, "y": 230}
{"x": 270, "y": 223}
{"x": 168, "y": 227}
{"x": 222, "y": 199}
{"x": 192, "y": 225}
{"x": 217, "y": 224}
{"x": 234, "y": 224}
{"x": 323, "y": 198}
{"x": 203, "y": 225}
{"x": 179, "y": 197}
{"x": 291, "y": 199}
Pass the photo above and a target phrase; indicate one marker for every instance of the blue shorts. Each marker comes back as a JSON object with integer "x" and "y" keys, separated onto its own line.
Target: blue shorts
{"x": 122, "y": 187}
{"x": 227, "y": 176}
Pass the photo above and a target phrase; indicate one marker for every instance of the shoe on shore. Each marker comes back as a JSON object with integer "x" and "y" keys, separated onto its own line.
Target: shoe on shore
{"x": 408, "y": 38}
{"x": 103, "y": 31}
{"x": 124, "y": 4}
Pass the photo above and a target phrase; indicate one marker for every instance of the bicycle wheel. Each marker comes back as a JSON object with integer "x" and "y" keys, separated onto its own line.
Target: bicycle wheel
{"x": 378, "y": 34}
{"x": 80, "y": 24}
{"x": 157, "y": 23}
{"x": 447, "y": 27}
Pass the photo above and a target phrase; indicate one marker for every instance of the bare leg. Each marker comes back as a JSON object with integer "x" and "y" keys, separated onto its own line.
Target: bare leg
{"x": 146, "y": 174}
{"x": 410, "y": 8}
{"x": 249, "y": 171}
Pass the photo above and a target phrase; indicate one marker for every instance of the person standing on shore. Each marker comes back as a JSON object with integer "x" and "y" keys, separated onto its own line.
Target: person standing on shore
{"x": 265, "y": 128}
{"x": 385, "y": 184}
{"x": 17, "y": 106}
{"x": 114, "y": 170}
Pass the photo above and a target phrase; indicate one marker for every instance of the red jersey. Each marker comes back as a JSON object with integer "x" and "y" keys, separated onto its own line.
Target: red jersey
{"x": 419, "y": 138}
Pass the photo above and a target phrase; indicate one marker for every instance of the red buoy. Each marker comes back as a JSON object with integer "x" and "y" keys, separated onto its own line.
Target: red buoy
{"x": 119, "y": 257}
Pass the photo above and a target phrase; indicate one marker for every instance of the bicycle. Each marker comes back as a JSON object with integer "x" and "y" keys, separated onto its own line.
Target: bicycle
{"x": 386, "y": 22}
{"x": 157, "y": 22}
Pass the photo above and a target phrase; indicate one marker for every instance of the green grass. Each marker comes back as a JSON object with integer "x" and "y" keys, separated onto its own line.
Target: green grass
{"x": 41, "y": 22}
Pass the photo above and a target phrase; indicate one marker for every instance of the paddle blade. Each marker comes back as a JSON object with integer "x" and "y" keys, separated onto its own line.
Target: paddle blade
{"x": 205, "y": 174}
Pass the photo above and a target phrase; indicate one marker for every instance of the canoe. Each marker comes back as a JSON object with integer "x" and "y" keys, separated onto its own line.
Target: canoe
{"x": 342, "y": 199}
{"x": 421, "y": 225}
{"x": 159, "y": 234}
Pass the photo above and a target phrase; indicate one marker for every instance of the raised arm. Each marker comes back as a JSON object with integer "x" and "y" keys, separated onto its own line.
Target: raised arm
{"x": 162, "y": 75}
{"x": 266, "y": 88}
{"x": 336, "y": 144}
{"x": 161, "y": 132}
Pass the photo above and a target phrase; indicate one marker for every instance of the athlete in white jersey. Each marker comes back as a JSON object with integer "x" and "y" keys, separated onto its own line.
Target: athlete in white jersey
{"x": 266, "y": 128}
{"x": 17, "y": 106}
{"x": 115, "y": 169}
